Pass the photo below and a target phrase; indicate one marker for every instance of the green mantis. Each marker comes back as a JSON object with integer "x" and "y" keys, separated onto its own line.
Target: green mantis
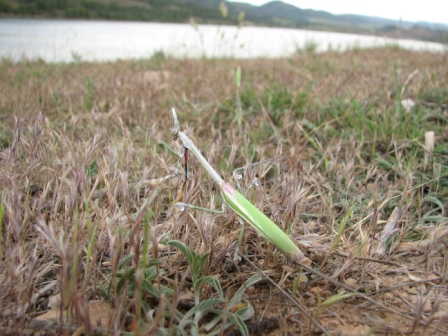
{"x": 244, "y": 209}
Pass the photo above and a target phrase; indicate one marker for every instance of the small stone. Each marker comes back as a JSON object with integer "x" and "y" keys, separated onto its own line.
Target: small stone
{"x": 371, "y": 319}
{"x": 433, "y": 276}
{"x": 302, "y": 279}
{"x": 250, "y": 290}
{"x": 54, "y": 301}
{"x": 311, "y": 301}
{"x": 351, "y": 282}
{"x": 422, "y": 289}
{"x": 427, "y": 306}
{"x": 280, "y": 258}
{"x": 348, "y": 330}
{"x": 315, "y": 290}
{"x": 412, "y": 291}
{"x": 443, "y": 306}
{"x": 162, "y": 247}
{"x": 388, "y": 296}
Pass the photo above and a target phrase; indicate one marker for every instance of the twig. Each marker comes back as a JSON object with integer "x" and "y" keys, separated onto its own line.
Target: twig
{"x": 375, "y": 260}
{"x": 351, "y": 290}
{"x": 365, "y": 297}
{"x": 261, "y": 327}
{"x": 407, "y": 284}
{"x": 50, "y": 326}
{"x": 403, "y": 88}
{"x": 388, "y": 230}
{"x": 132, "y": 187}
{"x": 312, "y": 319}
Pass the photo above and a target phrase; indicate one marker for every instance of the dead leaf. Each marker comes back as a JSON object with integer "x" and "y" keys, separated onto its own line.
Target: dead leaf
{"x": 100, "y": 312}
{"x": 52, "y": 314}
{"x": 343, "y": 330}
{"x": 440, "y": 314}
{"x": 54, "y": 301}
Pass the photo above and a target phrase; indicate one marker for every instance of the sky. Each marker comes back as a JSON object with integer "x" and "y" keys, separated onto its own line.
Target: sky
{"x": 435, "y": 11}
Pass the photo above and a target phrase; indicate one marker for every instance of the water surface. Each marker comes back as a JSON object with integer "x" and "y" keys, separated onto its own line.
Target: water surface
{"x": 66, "y": 41}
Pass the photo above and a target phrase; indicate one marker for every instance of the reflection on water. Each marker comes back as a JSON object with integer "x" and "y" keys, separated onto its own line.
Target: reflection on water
{"x": 66, "y": 41}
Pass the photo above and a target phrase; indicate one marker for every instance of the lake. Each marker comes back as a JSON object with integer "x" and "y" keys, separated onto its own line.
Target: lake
{"x": 67, "y": 41}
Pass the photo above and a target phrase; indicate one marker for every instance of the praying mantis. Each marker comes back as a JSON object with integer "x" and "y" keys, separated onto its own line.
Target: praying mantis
{"x": 242, "y": 207}
{"x": 262, "y": 224}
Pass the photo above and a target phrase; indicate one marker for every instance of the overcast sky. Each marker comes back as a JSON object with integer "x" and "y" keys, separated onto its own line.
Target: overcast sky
{"x": 429, "y": 10}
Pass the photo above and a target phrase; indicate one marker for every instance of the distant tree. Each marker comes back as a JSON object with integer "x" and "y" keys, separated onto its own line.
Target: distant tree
{"x": 31, "y": 9}
{"x": 77, "y": 12}
{"x": 61, "y": 4}
{"x": 5, "y": 7}
{"x": 43, "y": 5}
{"x": 389, "y": 28}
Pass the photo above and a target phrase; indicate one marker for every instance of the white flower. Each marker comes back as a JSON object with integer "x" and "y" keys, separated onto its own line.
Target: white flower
{"x": 407, "y": 104}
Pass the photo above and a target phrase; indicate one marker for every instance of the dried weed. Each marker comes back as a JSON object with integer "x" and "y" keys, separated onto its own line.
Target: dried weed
{"x": 85, "y": 166}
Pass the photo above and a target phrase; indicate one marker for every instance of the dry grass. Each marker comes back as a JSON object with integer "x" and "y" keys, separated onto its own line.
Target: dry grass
{"x": 82, "y": 147}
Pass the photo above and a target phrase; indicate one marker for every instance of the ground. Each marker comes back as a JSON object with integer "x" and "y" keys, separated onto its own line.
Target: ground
{"x": 350, "y": 152}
